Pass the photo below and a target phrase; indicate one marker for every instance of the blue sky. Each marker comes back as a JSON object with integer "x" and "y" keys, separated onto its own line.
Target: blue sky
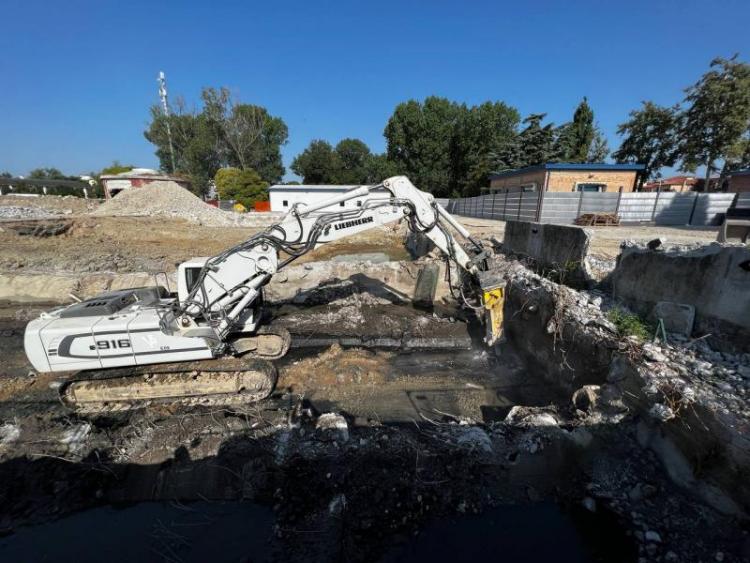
{"x": 79, "y": 76}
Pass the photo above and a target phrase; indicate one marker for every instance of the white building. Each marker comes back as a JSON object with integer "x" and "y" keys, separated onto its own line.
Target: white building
{"x": 284, "y": 196}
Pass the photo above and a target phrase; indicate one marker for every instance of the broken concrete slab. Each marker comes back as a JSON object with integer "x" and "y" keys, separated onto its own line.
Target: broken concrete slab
{"x": 677, "y": 317}
{"x": 709, "y": 278}
{"x": 561, "y": 248}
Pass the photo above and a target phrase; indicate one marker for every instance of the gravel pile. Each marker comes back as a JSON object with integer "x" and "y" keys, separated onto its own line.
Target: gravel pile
{"x": 12, "y": 212}
{"x": 167, "y": 199}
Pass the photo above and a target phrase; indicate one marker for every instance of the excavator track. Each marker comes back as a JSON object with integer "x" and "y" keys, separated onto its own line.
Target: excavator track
{"x": 224, "y": 381}
{"x": 267, "y": 343}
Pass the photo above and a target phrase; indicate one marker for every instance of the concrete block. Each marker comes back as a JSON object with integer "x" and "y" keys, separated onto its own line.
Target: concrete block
{"x": 677, "y": 317}
{"x": 560, "y": 247}
{"x": 709, "y": 278}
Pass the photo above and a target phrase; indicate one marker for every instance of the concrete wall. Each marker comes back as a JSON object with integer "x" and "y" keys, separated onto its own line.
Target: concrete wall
{"x": 559, "y": 247}
{"x": 710, "y": 278}
{"x": 311, "y": 282}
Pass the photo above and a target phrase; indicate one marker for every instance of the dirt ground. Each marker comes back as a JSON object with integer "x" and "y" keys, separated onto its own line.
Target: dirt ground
{"x": 362, "y": 453}
{"x": 142, "y": 244}
{"x": 605, "y": 242}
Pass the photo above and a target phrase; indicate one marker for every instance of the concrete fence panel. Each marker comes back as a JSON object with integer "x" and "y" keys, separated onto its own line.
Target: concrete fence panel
{"x": 661, "y": 208}
{"x": 709, "y": 207}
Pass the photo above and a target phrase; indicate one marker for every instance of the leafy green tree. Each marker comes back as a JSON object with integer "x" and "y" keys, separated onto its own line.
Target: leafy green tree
{"x": 739, "y": 156}
{"x": 717, "y": 115}
{"x": 536, "y": 142}
{"x": 379, "y": 168}
{"x": 562, "y": 146}
{"x": 419, "y": 139}
{"x": 353, "y": 156}
{"x": 317, "y": 164}
{"x": 196, "y": 142}
{"x": 6, "y": 175}
{"x": 251, "y": 138}
{"x": 47, "y": 173}
{"x": 581, "y": 132}
{"x": 573, "y": 140}
{"x": 224, "y": 133}
{"x": 650, "y": 139}
{"x": 485, "y": 140}
{"x": 599, "y": 149}
{"x": 245, "y": 186}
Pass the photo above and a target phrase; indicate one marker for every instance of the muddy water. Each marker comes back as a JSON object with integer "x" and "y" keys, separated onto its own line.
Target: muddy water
{"x": 232, "y": 531}
{"x": 199, "y": 531}
{"x": 533, "y": 533}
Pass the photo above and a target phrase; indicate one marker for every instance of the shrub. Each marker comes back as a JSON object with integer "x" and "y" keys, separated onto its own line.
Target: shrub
{"x": 629, "y": 324}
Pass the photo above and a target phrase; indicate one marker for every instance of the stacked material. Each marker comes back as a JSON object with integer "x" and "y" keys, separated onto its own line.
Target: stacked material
{"x": 168, "y": 199}
{"x": 598, "y": 219}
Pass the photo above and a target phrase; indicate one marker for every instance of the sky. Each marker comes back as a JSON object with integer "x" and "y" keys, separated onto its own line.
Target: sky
{"x": 78, "y": 77}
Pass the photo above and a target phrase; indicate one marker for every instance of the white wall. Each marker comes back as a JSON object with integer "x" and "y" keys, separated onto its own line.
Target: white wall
{"x": 312, "y": 194}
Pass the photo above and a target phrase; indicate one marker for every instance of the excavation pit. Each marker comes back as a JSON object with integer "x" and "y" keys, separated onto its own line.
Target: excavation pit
{"x": 417, "y": 441}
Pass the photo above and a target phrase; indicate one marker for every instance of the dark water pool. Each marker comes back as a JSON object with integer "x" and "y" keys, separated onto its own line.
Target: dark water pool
{"x": 233, "y": 531}
{"x": 199, "y": 531}
{"x": 541, "y": 532}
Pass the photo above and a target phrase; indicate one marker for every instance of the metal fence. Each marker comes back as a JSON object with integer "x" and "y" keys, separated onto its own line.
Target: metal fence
{"x": 661, "y": 208}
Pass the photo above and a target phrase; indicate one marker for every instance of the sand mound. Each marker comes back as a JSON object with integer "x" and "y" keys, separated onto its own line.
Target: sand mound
{"x": 167, "y": 199}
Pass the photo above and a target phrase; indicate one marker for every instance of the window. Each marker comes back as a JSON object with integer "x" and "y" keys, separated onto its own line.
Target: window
{"x": 341, "y": 204}
{"x": 285, "y": 203}
{"x": 528, "y": 187}
{"x": 590, "y": 187}
{"x": 359, "y": 203}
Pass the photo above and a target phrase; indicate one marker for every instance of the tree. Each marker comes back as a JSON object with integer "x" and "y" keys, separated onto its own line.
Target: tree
{"x": 485, "y": 140}
{"x": 574, "y": 140}
{"x": 581, "y": 132}
{"x": 650, "y": 139}
{"x": 536, "y": 142}
{"x": 251, "y": 138}
{"x": 739, "y": 156}
{"x": 224, "y": 133}
{"x": 599, "y": 148}
{"x": 379, "y": 168}
{"x": 196, "y": 141}
{"x": 6, "y": 174}
{"x": 317, "y": 164}
{"x": 717, "y": 115}
{"x": 353, "y": 157}
{"x": 47, "y": 173}
{"x": 245, "y": 186}
{"x": 419, "y": 139}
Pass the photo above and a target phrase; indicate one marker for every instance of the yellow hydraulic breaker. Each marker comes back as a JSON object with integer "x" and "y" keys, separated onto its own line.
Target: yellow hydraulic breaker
{"x": 493, "y": 300}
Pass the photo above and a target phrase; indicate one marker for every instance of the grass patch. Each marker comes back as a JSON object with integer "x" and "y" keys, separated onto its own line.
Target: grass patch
{"x": 629, "y": 324}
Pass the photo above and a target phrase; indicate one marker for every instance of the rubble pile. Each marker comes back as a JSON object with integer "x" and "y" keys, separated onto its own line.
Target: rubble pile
{"x": 65, "y": 204}
{"x": 168, "y": 199}
{"x": 13, "y": 212}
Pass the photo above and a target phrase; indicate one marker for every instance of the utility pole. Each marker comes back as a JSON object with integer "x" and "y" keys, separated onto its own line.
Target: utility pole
{"x": 165, "y": 107}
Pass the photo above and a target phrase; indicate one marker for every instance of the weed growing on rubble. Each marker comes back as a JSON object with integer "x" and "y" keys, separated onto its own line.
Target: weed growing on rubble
{"x": 629, "y": 324}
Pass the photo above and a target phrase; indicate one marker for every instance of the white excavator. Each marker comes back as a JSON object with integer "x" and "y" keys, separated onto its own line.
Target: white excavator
{"x": 207, "y": 343}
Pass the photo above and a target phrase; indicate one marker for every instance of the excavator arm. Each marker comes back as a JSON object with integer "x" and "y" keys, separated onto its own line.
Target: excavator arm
{"x": 216, "y": 294}
{"x": 216, "y": 313}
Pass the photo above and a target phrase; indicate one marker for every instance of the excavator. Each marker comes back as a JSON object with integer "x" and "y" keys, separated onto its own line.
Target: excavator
{"x": 207, "y": 343}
